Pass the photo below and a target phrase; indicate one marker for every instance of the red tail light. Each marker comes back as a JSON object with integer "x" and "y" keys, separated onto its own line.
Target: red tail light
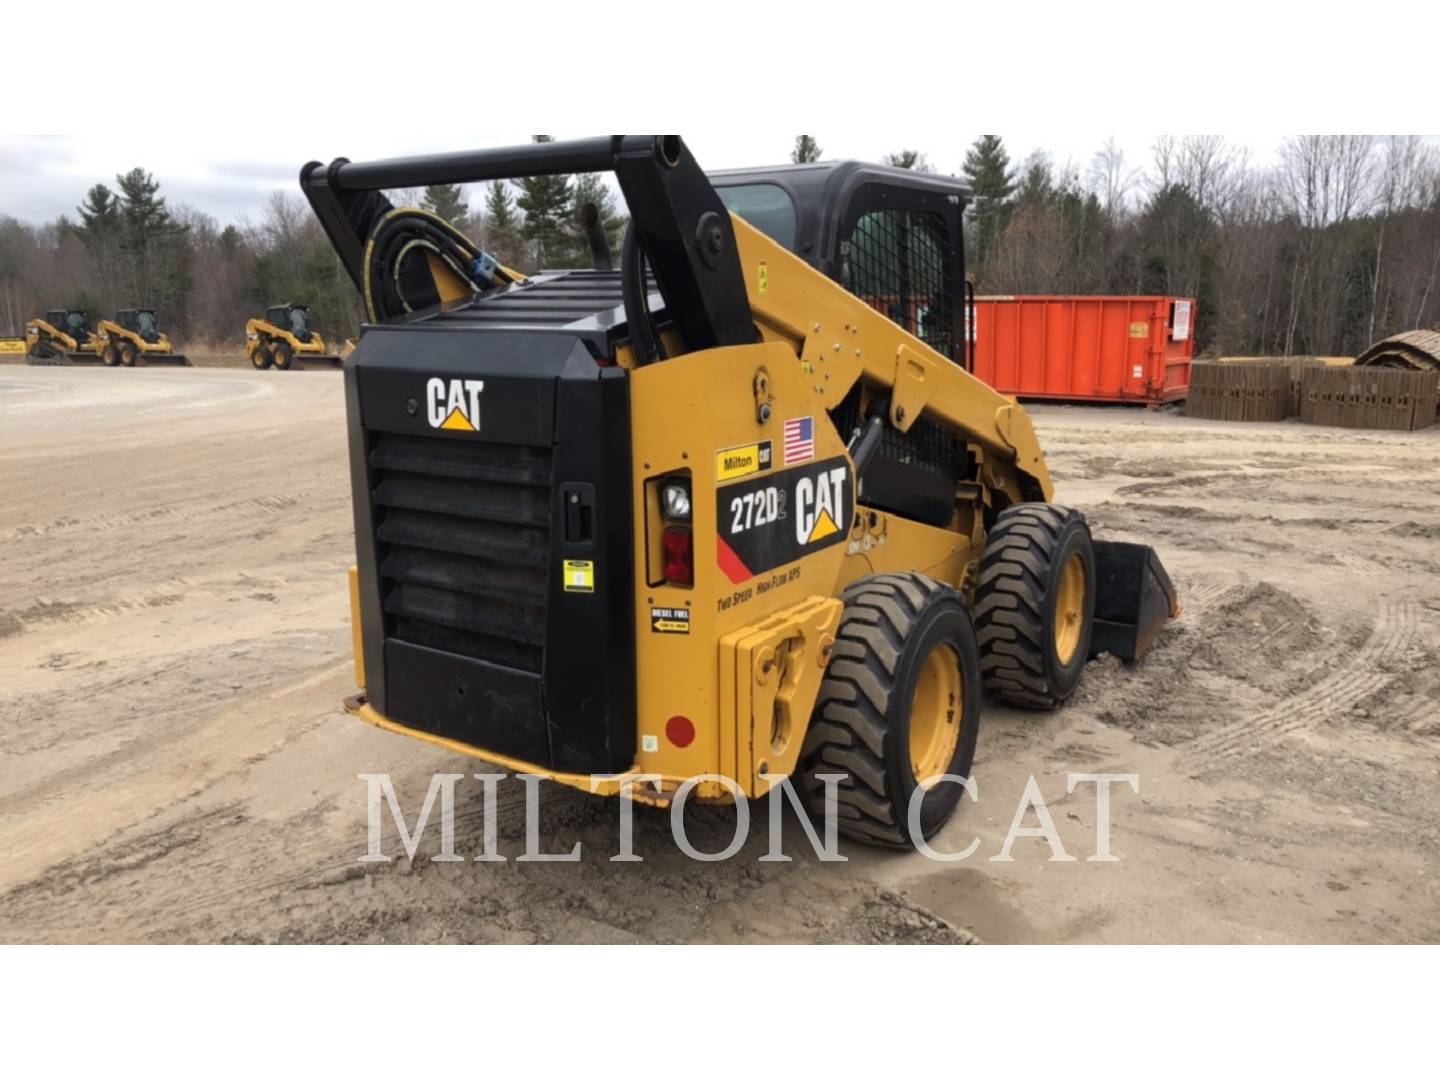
{"x": 679, "y": 557}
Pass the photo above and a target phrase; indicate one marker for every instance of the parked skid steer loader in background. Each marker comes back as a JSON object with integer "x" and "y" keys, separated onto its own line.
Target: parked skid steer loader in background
{"x": 133, "y": 337}
{"x": 61, "y": 337}
{"x": 712, "y": 514}
{"x": 283, "y": 339}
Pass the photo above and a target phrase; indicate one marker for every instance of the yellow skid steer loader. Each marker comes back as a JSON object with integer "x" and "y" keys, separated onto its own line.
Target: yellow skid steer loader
{"x": 61, "y": 337}
{"x": 283, "y": 339}
{"x": 133, "y": 338}
{"x": 733, "y": 512}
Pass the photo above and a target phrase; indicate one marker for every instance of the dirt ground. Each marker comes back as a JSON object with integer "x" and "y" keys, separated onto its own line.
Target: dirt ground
{"x": 175, "y": 764}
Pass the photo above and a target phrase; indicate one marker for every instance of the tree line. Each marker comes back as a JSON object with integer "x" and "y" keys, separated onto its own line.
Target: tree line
{"x": 1331, "y": 247}
{"x": 1334, "y": 244}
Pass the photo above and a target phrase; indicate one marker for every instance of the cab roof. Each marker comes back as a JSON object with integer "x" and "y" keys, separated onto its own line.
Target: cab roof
{"x": 822, "y": 191}
{"x": 821, "y": 177}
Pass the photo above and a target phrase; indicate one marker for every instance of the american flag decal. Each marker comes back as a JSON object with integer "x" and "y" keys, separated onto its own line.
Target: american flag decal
{"x": 799, "y": 440}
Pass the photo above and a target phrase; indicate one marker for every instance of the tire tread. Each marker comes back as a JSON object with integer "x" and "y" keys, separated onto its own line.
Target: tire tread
{"x": 1010, "y": 623}
{"x": 849, "y": 734}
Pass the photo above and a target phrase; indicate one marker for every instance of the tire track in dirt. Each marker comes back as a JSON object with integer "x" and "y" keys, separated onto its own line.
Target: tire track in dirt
{"x": 153, "y": 742}
{"x": 1361, "y": 676}
{"x": 177, "y": 764}
{"x": 1210, "y": 594}
{"x": 269, "y": 504}
{"x": 1426, "y": 721}
{"x": 48, "y": 610}
{"x": 210, "y": 839}
{"x": 319, "y": 869}
{"x": 1361, "y": 564}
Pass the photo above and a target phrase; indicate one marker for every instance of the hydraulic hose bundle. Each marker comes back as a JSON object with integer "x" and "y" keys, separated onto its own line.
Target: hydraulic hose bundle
{"x": 415, "y": 260}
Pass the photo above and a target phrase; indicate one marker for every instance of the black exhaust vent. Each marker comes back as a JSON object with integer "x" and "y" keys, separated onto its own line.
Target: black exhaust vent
{"x": 463, "y": 542}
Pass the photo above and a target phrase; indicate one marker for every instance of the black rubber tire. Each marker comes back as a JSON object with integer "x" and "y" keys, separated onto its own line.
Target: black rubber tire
{"x": 1015, "y": 604}
{"x": 128, "y": 354}
{"x": 261, "y": 356}
{"x": 110, "y": 355}
{"x": 282, "y": 355}
{"x": 861, "y": 725}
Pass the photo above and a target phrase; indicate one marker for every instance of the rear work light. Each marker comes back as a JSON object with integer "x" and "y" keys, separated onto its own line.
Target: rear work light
{"x": 679, "y": 556}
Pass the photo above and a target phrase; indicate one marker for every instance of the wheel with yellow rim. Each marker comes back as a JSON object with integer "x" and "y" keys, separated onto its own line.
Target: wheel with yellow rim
{"x": 1035, "y": 604}
{"x": 260, "y": 358}
{"x": 898, "y": 712}
{"x": 282, "y": 355}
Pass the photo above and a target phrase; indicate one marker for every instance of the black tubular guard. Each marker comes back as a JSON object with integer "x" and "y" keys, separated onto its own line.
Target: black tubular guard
{"x": 677, "y": 219}
{"x": 1134, "y": 598}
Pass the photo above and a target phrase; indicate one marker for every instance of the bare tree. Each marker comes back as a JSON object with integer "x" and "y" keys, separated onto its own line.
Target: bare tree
{"x": 1325, "y": 181}
{"x": 1406, "y": 162}
{"x": 1111, "y": 179}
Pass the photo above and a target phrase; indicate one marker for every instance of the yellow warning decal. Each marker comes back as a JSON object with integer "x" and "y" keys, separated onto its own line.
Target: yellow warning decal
{"x": 738, "y": 461}
{"x": 764, "y": 278}
{"x": 579, "y": 575}
{"x": 670, "y": 620}
{"x": 824, "y": 526}
{"x": 13, "y": 345}
{"x": 1139, "y": 329}
{"x": 456, "y": 422}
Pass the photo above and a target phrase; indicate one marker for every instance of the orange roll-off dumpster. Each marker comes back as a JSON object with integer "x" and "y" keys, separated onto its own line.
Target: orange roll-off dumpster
{"x": 1086, "y": 348}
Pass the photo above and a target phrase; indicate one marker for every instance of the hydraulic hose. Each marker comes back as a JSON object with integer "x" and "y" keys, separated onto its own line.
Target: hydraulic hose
{"x": 634, "y": 293}
{"x": 415, "y": 259}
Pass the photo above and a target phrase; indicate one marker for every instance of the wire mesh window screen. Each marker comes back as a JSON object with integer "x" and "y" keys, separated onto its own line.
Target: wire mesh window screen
{"x": 900, "y": 265}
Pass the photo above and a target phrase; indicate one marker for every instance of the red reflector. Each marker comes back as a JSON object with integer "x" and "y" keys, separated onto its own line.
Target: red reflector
{"x": 680, "y": 731}
{"x": 679, "y": 557}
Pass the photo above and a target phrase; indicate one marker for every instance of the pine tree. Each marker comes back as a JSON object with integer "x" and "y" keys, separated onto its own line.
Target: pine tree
{"x": 1037, "y": 179}
{"x": 502, "y": 226}
{"x": 547, "y": 202}
{"x": 151, "y": 240}
{"x": 144, "y": 217}
{"x": 99, "y": 231}
{"x": 909, "y": 159}
{"x": 987, "y": 167}
{"x": 806, "y": 150}
{"x": 1176, "y": 246}
{"x": 99, "y": 216}
{"x": 449, "y": 202}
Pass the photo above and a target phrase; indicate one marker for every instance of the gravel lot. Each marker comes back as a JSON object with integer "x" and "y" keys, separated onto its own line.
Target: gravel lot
{"x": 175, "y": 764}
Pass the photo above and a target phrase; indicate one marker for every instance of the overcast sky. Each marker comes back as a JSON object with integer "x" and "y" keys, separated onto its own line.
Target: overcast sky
{"x": 41, "y": 177}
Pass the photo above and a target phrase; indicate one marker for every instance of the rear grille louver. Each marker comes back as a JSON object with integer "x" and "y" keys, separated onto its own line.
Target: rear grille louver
{"x": 463, "y": 531}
